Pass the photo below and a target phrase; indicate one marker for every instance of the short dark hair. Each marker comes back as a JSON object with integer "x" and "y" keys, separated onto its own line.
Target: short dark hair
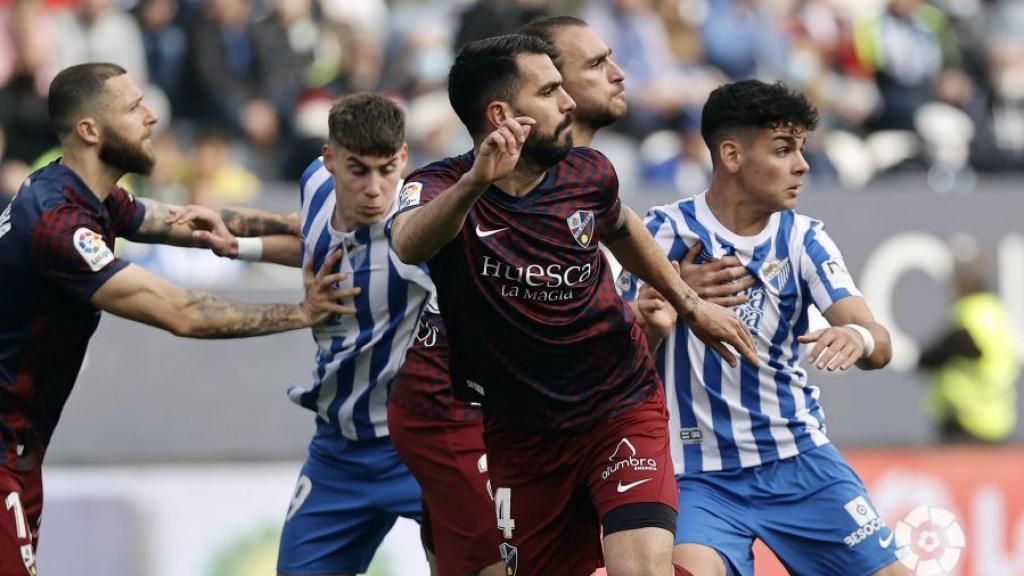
{"x": 74, "y": 89}
{"x": 753, "y": 104}
{"x": 485, "y": 71}
{"x": 545, "y": 26}
{"x": 368, "y": 124}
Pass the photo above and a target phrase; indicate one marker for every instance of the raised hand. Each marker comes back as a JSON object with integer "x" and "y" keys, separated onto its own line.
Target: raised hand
{"x": 718, "y": 326}
{"x": 500, "y": 150}
{"x": 720, "y": 282}
{"x": 835, "y": 348}
{"x": 322, "y": 298}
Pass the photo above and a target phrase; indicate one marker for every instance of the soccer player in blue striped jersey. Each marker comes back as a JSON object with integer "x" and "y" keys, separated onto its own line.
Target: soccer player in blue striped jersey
{"x": 748, "y": 443}
{"x": 353, "y": 486}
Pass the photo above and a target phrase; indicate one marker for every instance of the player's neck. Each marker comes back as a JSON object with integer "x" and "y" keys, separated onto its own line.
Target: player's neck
{"x": 521, "y": 181}
{"x": 734, "y": 209}
{"x": 582, "y": 134}
{"x": 98, "y": 176}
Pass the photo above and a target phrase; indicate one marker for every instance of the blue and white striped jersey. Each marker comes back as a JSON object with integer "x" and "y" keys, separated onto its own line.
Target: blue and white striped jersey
{"x": 724, "y": 418}
{"x": 358, "y": 355}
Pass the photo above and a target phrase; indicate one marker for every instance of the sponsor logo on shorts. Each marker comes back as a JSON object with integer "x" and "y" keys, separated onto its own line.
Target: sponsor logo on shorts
{"x": 510, "y": 557}
{"x": 625, "y": 456}
{"x": 627, "y": 487}
{"x": 929, "y": 541}
{"x": 867, "y": 521}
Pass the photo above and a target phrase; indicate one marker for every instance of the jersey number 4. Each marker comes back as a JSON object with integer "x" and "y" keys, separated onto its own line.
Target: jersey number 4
{"x": 503, "y": 509}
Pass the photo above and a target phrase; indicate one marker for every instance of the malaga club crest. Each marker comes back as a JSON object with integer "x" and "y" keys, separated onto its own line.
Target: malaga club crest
{"x": 581, "y": 224}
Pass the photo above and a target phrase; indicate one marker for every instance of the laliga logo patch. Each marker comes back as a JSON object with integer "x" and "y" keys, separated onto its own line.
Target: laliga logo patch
{"x": 930, "y": 541}
{"x": 93, "y": 249}
{"x": 581, "y": 224}
{"x": 410, "y": 195}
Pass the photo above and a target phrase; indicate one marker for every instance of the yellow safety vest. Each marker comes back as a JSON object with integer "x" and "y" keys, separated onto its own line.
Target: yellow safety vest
{"x": 980, "y": 393}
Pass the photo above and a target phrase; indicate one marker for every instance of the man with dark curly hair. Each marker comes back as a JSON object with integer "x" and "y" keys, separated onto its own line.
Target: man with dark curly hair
{"x": 748, "y": 442}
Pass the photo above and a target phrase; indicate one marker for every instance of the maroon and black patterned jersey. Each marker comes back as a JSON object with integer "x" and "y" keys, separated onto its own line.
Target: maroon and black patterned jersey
{"x": 56, "y": 240}
{"x": 422, "y": 385}
{"x": 534, "y": 323}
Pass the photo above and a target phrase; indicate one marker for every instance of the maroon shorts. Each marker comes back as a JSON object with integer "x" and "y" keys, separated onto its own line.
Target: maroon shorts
{"x": 552, "y": 490}
{"x": 447, "y": 458}
{"x": 22, "y": 493}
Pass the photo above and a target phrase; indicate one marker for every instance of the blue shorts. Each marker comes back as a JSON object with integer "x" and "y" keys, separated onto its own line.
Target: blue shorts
{"x": 812, "y": 510}
{"x": 348, "y": 497}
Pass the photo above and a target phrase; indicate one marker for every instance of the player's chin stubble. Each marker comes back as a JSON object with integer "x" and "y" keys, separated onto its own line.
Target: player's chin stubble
{"x": 544, "y": 150}
{"x": 122, "y": 155}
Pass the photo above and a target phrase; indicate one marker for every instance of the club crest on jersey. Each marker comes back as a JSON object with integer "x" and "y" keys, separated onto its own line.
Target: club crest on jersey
{"x": 776, "y": 273}
{"x": 92, "y": 248}
{"x": 510, "y": 557}
{"x": 581, "y": 224}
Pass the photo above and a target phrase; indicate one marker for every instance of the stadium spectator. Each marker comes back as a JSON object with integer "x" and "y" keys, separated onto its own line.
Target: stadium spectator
{"x": 973, "y": 364}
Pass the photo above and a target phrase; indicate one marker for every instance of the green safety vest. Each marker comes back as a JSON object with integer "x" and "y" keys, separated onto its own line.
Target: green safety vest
{"x": 981, "y": 393}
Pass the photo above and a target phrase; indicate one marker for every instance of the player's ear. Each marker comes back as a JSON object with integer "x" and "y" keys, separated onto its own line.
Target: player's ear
{"x": 730, "y": 155}
{"x": 328, "y": 153}
{"x": 497, "y": 113}
{"x": 88, "y": 129}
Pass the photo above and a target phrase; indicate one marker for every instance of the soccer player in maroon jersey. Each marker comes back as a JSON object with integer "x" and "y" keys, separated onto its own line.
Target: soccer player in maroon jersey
{"x": 575, "y": 423}
{"x": 59, "y": 271}
{"x": 440, "y": 437}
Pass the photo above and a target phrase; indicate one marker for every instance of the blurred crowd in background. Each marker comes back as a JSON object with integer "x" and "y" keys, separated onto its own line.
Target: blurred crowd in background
{"x": 243, "y": 86}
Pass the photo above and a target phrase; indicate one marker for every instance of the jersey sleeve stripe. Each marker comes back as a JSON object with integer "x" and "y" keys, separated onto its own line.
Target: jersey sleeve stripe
{"x": 819, "y": 255}
{"x": 306, "y": 175}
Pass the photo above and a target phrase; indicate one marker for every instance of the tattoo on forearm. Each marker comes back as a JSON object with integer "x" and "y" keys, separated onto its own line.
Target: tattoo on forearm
{"x": 154, "y": 224}
{"x": 248, "y": 224}
{"x": 220, "y": 318}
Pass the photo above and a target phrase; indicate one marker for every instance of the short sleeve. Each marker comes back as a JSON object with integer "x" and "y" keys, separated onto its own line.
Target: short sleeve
{"x": 666, "y": 234}
{"x": 427, "y": 183}
{"x": 67, "y": 248}
{"x": 823, "y": 270}
{"x": 126, "y": 214}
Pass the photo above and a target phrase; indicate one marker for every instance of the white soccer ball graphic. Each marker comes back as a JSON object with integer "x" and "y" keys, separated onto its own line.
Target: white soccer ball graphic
{"x": 939, "y": 541}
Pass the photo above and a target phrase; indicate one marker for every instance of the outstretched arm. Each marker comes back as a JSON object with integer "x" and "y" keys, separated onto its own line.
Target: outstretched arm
{"x": 139, "y": 295}
{"x": 171, "y": 224}
{"x": 638, "y": 252}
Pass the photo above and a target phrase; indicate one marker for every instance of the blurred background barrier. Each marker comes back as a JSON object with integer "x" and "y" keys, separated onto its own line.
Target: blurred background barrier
{"x": 224, "y": 520}
{"x": 183, "y": 520}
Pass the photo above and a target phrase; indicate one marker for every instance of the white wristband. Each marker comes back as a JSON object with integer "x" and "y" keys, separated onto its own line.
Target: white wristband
{"x": 865, "y": 334}
{"x": 250, "y": 249}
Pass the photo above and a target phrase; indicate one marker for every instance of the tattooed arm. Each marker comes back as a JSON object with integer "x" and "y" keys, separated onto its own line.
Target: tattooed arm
{"x": 249, "y": 222}
{"x": 170, "y": 224}
{"x": 137, "y": 294}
